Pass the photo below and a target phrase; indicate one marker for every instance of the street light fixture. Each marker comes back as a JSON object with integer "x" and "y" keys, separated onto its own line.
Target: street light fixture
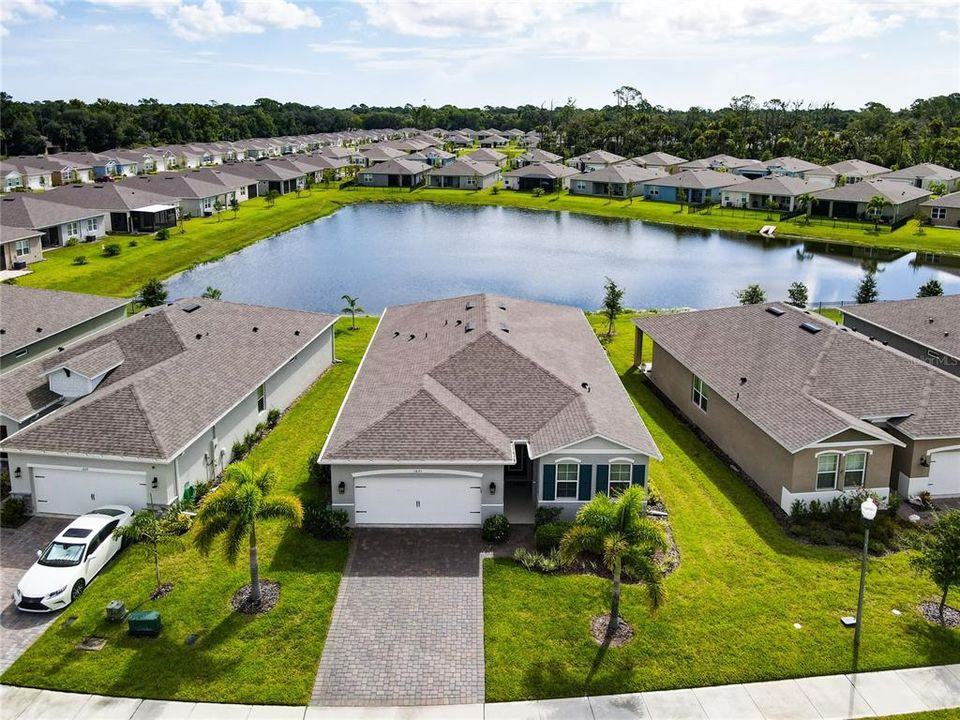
{"x": 868, "y": 509}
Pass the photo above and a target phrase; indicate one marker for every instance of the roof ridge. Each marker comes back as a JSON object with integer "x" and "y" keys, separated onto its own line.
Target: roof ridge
{"x": 146, "y": 417}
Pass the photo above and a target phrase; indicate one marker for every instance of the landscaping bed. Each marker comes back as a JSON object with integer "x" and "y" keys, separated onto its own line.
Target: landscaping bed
{"x": 730, "y": 607}
{"x": 269, "y": 658}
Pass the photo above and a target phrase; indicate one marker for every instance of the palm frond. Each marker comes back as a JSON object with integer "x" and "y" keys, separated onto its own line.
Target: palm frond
{"x": 266, "y": 478}
{"x": 645, "y": 569}
{"x": 282, "y": 507}
{"x": 615, "y": 546}
{"x": 208, "y": 529}
{"x": 578, "y": 539}
{"x": 649, "y": 533}
{"x": 236, "y": 534}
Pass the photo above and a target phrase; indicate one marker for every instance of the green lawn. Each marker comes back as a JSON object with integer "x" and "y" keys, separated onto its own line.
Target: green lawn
{"x": 208, "y": 239}
{"x": 269, "y": 659}
{"x": 731, "y": 605}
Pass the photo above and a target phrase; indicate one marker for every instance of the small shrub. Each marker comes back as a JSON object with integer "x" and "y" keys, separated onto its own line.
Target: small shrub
{"x": 547, "y": 537}
{"x": 324, "y": 523}
{"x": 162, "y": 234}
{"x": 5, "y": 485}
{"x": 273, "y": 417}
{"x": 132, "y": 243}
{"x": 72, "y": 240}
{"x": 816, "y": 509}
{"x": 526, "y": 558}
{"x": 653, "y": 496}
{"x": 894, "y": 501}
{"x": 176, "y": 522}
{"x": 249, "y": 441}
{"x": 14, "y": 512}
{"x": 496, "y": 529}
{"x": 798, "y": 511}
{"x": 80, "y": 260}
{"x": 260, "y": 429}
{"x": 495, "y": 190}
{"x": 111, "y": 250}
{"x": 546, "y": 514}
{"x": 926, "y": 500}
{"x": 820, "y": 534}
{"x": 537, "y": 192}
{"x": 238, "y": 451}
{"x": 549, "y": 562}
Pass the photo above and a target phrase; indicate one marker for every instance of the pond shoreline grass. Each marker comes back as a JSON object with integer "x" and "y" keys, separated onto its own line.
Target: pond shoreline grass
{"x": 209, "y": 239}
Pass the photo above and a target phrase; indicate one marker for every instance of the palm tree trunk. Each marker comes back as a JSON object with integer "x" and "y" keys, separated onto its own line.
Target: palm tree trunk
{"x": 156, "y": 563}
{"x": 614, "y": 623}
{"x": 943, "y": 603}
{"x": 254, "y": 567}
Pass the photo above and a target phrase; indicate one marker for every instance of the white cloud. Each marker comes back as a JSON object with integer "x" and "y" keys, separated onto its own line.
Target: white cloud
{"x": 15, "y": 12}
{"x": 207, "y": 19}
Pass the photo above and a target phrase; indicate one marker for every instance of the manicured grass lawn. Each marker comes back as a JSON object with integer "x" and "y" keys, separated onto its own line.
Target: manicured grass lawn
{"x": 208, "y": 239}
{"x": 268, "y": 659}
{"x": 731, "y": 605}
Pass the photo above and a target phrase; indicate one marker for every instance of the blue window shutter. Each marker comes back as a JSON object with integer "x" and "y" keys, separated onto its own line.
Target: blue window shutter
{"x": 549, "y": 482}
{"x": 603, "y": 474}
{"x": 586, "y": 478}
{"x": 639, "y": 475}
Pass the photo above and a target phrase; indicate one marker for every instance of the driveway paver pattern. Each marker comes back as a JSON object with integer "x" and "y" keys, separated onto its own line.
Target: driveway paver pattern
{"x": 407, "y": 628}
{"x": 18, "y": 551}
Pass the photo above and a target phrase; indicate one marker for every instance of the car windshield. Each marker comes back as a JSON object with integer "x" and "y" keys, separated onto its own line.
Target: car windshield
{"x": 59, "y": 554}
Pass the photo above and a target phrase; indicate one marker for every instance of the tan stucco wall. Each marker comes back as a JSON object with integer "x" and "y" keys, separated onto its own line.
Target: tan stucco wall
{"x": 35, "y": 254}
{"x": 879, "y": 459}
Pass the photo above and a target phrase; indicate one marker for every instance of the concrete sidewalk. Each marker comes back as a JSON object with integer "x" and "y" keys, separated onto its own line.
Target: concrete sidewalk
{"x": 874, "y": 694}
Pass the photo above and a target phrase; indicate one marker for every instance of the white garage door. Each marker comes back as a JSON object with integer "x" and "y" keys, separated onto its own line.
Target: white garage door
{"x": 63, "y": 491}
{"x": 417, "y": 500}
{"x": 944, "y": 476}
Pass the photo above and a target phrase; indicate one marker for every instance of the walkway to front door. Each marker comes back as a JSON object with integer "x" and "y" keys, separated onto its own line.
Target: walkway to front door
{"x": 407, "y": 628}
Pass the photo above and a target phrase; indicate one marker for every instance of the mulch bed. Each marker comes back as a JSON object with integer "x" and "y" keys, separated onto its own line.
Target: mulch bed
{"x": 161, "y": 591}
{"x": 930, "y": 609}
{"x": 269, "y": 595}
{"x": 599, "y": 627}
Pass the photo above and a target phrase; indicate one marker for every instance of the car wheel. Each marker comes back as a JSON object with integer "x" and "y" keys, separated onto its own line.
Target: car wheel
{"x": 78, "y": 587}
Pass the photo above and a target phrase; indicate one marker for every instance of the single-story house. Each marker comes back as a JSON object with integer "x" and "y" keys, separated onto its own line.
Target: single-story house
{"x": 535, "y": 156}
{"x": 433, "y": 156}
{"x": 549, "y": 177}
{"x": 618, "y": 181}
{"x": 716, "y": 162}
{"x": 668, "y": 162}
{"x": 399, "y": 172}
{"x": 35, "y": 322}
{"x": 140, "y": 412}
{"x": 196, "y": 197}
{"x": 62, "y": 171}
{"x": 58, "y": 222}
{"x": 337, "y": 153}
{"x": 473, "y": 406}
{"x": 925, "y": 328}
{"x": 925, "y": 175}
{"x": 19, "y": 247}
{"x": 487, "y": 155}
{"x": 594, "y": 160}
{"x": 460, "y": 140}
{"x": 531, "y": 140}
{"x": 374, "y": 154}
{"x": 494, "y": 141}
{"x": 280, "y": 176}
{"x": 24, "y": 174}
{"x": 127, "y": 209}
{"x": 852, "y": 171}
{"x": 944, "y": 211}
{"x": 781, "y": 189}
{"x": 464, "y": 174}
{"x": 789, "y": 166}
{"x": 850, "y": 201}
{"x": 809, "y": 410}
{"x": 103, "y": 165}
{"x": 698, "y": 186}
{"x": 238, "y": 186}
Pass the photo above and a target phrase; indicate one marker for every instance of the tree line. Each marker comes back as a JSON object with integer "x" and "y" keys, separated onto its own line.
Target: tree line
{"x": 926, "y": 131}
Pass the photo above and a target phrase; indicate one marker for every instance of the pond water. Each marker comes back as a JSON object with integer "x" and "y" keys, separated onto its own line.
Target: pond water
{"x": 388, "y": 254}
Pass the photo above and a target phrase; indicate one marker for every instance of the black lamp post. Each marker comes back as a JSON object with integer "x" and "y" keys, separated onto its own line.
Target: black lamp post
{"x": 868, "y": 509}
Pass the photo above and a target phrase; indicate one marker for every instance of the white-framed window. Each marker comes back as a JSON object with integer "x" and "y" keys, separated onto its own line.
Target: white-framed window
{"x": 367, "y": 177}
{"x": 261, "y": 398}
{"x": 620, "y": 478}
{"x": 854, "y": 469}
{"x": 568, "y": 477}
{"x": 207, "y": 203}
{"x": 21, "y": 248}
{"x": 827, "y": 466}
{"x": 73, "y": 229}
{"x": 93, "y": 224}
{"x": 701, "y": 393}
{"x": 938, "y": 213}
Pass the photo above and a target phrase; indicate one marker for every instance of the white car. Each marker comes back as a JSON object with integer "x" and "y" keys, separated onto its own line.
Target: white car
{"x": 68, "y": 564}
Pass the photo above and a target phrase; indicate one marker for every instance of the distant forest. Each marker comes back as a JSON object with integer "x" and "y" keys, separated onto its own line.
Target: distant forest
{"x": 927, "y": 131}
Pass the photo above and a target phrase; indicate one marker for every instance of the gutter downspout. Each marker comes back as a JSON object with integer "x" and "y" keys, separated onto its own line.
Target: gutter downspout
{"x": 176, "y": 476}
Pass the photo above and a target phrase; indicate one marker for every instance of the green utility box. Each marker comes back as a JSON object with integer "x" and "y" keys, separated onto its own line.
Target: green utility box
{"x": 144, "y": 622}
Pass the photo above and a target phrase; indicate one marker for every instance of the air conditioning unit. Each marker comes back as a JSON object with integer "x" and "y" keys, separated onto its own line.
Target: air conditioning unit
{"x": 89, "y": 238}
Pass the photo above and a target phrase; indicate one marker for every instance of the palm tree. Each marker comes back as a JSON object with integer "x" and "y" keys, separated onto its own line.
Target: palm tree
{"x": 234, "y": 509}
{"x": 875, "y": 207}
{"x": 618, "y": 531}
{"x": 807, "y": 203}
{"x": 353, "y": 309}
{"x": 146, "y": 527}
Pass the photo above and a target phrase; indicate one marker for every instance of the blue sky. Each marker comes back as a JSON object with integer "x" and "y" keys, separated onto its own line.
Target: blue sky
{"x": 479, "y": 52}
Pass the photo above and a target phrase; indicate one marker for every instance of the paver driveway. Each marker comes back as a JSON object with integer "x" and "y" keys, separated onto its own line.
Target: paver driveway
{"x": 407, "y": 628}
{"x": 18, "y": 551}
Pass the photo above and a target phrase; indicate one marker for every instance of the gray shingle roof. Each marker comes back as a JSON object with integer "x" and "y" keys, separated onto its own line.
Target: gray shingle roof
{"x": 466, "y": 167}
{"x": 859, "y": 168}
{"x": 181, "y": 371}
{"x": 800, "y": 387}
{"x": 33, "y": 211}
{"x": 543, "y": 170}
{"x": 701, "y": 179}
{"x": 537, "y": 155}
{"x": 933, "y": 321}
{"x": 658, "y": 159}
{"x": 9, "y": 234}
{"x": 924, "y": 170}
{"x": 861, "y": 192}
{"x": 454, "y": 394}
{"x": 116, "y": 197}
{"x": 623, "y": 173}
{"x": 721, "y": 160}
{"x": 598, "y": 156}
{"x": 486, "y": 155}
{"x": 948, "y": 201}
{"x": 398, "y": 166}
{"x": 783, "y": 185}
{"x": 176, "y": 185}
{"x": 52, "y": 311}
